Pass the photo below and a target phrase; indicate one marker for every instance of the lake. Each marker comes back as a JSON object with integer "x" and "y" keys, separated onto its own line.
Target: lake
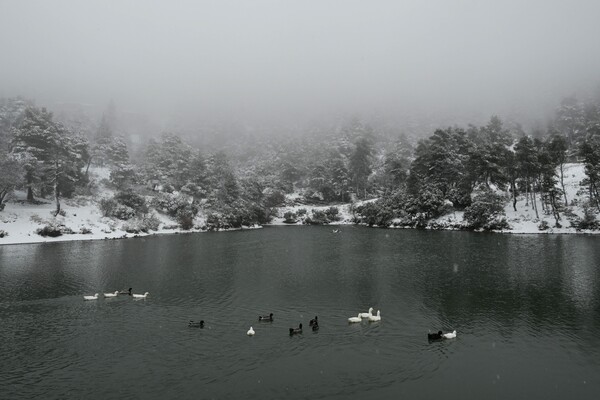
{"x": 526, "y": 309}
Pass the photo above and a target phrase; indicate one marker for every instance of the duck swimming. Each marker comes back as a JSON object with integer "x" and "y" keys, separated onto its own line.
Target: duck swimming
{"x": 193, "y": 324}
{"x": 375, "y": 318}
{"x": 250, "y": 332}
{"x": 366, "y": 314}
{"x": 314, "y": 321}
{"x": 94, "y": 297}
{"x": 450, "y": 335}
{"x": 296, "y": 331}
{"x": 111, "y": 294}
{"x": 267, "y": 318}
{"x": 441, "y": 335}
{"x": 355, "y": 319}
{"x": 435, "y": 336}
{"x": 140, "y": 296}
{"x": 126, "y": 291}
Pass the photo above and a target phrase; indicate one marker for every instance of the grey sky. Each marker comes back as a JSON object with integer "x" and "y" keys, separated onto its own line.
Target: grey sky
{"x": 301, "y": 59}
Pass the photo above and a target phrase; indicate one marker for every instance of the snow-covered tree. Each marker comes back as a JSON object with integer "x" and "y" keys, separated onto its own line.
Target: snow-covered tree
{"x": 52, "y": 155}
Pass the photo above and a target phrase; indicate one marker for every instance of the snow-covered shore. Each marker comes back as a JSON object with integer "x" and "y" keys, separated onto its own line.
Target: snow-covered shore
{"x": 20, "y": 220}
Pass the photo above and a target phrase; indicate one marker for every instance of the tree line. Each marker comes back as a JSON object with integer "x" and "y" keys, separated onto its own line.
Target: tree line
{"x": 454, "y": 169}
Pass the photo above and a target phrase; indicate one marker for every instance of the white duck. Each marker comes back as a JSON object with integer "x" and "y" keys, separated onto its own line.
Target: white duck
{"x": 375, "y": 318}
{"x": 140, "y": 296}
{"x": 94, "y": 297}
{"x": 366, "y": 314}
{"x": 450, "y": 335}
{"x": 355, "y": 319}
{"x": 115, "y": 294}
{"x": 250, "y": 332}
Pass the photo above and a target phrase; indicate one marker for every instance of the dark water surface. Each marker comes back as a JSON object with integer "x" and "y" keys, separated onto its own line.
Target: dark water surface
{"x": 526, "y": 308}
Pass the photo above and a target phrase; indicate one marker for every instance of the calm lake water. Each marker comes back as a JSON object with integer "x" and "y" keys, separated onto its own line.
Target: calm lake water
{"x": 526, "y": 308}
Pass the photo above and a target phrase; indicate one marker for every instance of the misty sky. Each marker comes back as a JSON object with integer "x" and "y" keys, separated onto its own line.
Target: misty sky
{"x": 301, "y": 59}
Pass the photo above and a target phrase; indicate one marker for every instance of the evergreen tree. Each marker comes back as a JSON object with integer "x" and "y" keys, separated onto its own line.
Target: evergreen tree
{"x": 360, "y": 165}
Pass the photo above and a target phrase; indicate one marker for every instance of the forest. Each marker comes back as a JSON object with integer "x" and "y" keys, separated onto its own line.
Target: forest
{"x": 243, "y": 180}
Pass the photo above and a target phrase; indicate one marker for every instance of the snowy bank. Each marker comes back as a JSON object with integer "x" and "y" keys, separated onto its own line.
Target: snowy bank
{"x": 83, "y": 220}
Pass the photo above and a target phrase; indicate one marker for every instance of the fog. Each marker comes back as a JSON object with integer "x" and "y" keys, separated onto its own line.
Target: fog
{"x": 277, "y": 62}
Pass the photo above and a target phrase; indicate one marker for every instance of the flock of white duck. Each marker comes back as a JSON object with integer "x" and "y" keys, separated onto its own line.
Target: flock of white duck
{"x": 366, "y": 315}
{"x": 116, "y": 293}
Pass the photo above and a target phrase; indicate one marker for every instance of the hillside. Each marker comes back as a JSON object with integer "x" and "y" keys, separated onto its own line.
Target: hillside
{"x": 83, "y": 219}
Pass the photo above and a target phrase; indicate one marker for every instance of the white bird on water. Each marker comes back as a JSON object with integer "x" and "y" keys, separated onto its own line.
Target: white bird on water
{"x": 355, "y": 319}
{"x": 450, "y": 335}
{"x": 366, "y": 314}
{"x": 94, "y": 297}
{"x": 250, "y": 332}
{"x": 375, "y": 318}
{"x": 115, "y": 294}
{"x": 140, "y": 296}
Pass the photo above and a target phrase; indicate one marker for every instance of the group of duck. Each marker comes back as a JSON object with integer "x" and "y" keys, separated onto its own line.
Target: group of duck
{"x": 367, "y": 315}
{"x": 313, "y": 323}
{"x": 116, "y": 293}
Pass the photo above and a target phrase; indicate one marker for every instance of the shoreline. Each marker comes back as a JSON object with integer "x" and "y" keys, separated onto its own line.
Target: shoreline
{"x": 118, "y": 236}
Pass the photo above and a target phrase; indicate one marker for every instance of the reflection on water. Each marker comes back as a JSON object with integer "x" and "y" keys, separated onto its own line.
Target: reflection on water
{"x": 526, "y": 309}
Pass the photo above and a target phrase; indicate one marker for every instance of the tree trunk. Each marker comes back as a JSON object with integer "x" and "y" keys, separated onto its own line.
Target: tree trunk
{"x": 513, "y": 187}
{"x": 562, "y": 183}
{"x": 56, "y": 191}
{"x": 87, "y": 168}
{"x": 535, "y": 205}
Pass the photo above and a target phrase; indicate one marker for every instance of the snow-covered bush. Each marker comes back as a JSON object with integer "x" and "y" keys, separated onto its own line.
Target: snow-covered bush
{"x": 377, "y": 213}
{"x": 107, "y": 206}
{"x": 589, "y": 220}
{"x": 333, "y": 214}
{"x": 486, "y": 212}
{"x": 132, "y": 200}
{"x": 290, "y": 217}
{"x": 185, "y": 216}
{"x": 123, "y": 212}
{"x": 151, "y": 221}
{"x": 3, "y": 233}
{"x": 317, "y": 217}
{"x": 53, "y": 229}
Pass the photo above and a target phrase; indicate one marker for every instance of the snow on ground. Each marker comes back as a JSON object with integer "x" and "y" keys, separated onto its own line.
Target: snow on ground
{"x": 21, "y": 220}
{"x": 524, "y": 219}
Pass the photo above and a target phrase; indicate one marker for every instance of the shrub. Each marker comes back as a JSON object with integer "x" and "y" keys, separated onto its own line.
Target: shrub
{"x": 185, "y": 216}
{"x": 85, "y": 230}
{"x": 151, "y": 221}
{"x": 332, "y": 214}
{"x": 543, "y": 226}
{"x": 485, "y": 211}
{"x": 132, "y": 200}
{"x": 51, "y": 230}
{"x": 107, "y": 206}
{"x": 377, "y": 213}
{"x": 318, "y": 218}
{"x": 301, "y": 212}
{"x": 123, "y": 212}
{"x": 3, "y": 233}
{"x": 589, "y": 218}
{"x": 289, "y": 217}
{"x": 171, "y": 204}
